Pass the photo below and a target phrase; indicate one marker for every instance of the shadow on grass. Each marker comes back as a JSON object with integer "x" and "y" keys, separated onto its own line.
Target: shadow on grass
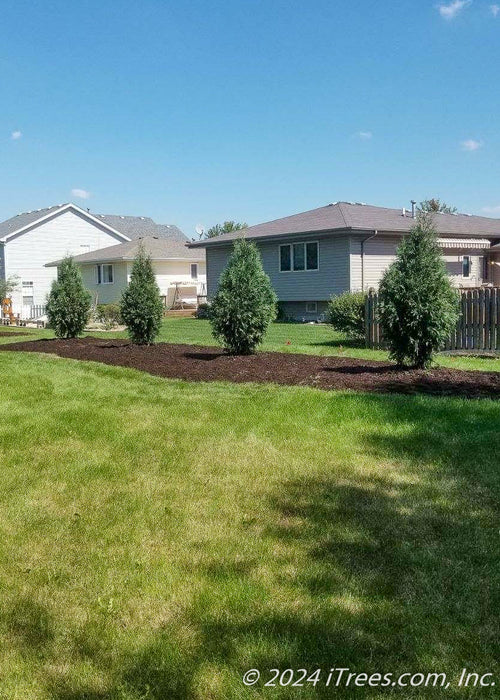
{"x": 391, "y": 572}
{"x": 340, "y": 343}
{"x": 30, "y": 623}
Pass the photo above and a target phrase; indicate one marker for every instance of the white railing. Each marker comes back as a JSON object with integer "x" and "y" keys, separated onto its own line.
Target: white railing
{"x": 33, "y": 311}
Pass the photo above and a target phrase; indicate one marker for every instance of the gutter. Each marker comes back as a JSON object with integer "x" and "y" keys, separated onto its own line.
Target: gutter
{"x": 368, "y": 238}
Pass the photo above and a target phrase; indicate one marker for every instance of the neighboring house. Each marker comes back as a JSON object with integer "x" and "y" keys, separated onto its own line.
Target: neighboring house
{"x": 28, "y": 241}
{"x": 346, "y": 246}
{"x": 180, "y": 272}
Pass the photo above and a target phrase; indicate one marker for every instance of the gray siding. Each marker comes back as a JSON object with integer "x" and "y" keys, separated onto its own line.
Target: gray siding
{"x": 332, "y": 277}
{"x": 298, "y": 310}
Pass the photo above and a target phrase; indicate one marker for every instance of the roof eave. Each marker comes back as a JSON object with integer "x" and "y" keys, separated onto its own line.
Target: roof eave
{"x": 217, "y": 239}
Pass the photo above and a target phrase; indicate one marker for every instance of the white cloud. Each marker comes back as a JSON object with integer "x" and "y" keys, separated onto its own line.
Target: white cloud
{"x": 82, "y": 194}
{"x": 491, "y": 210}
{"x": 16, "y": 135}
{"x": 364, "y": 135}
{"x": 495, "y": 9}
{"x": 451, "y": 11}
{"x": 471, "y": 145}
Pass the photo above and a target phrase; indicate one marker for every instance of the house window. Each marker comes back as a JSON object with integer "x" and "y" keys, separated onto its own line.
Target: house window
{"x": 312, "y": 256}
{"x": 299, "y": 256}
{"x": 27, "y": 301}
{"x": 311, "y": 307}
{"x": 466, "y": 266}
{"x": 285, "y": 258}
{"x": 104, "y": 274}
{"x": 194, "y": 271}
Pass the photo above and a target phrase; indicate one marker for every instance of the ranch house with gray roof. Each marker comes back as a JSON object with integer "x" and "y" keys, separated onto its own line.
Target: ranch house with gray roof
{"x": 346, "y": 246}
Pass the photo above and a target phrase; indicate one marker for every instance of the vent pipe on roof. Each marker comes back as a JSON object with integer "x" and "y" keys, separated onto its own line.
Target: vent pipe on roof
{"x": 404, "y": 211}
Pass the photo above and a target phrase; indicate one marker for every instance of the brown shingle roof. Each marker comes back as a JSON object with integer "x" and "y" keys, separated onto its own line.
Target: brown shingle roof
{"x": 346, "y": 216}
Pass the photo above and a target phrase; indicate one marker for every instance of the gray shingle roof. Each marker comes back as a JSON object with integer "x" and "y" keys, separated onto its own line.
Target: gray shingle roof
{"x": 157, "y": 248}
{"x": 140, "y": 226}
{"x": 362, "y": 217}
{"x": 131, "y": 226}
{"x": 25, "y": 219}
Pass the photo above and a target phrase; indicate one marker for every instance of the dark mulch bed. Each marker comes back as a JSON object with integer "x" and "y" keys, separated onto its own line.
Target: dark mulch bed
{"x": 11, "y": 333}
{"x": 196, "y": 363}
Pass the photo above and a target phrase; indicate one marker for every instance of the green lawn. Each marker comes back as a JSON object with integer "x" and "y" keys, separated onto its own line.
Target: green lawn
{"x": 159, "y": 538}
{"x": 312, "y": 339}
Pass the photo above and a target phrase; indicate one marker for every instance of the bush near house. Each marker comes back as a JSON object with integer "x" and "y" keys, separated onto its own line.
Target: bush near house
{"x": 203, "y": 310}
{"x": 109, "y": 315}
{"x": 346, "y": 313}
{"x": 418, "y": 305}
{"x": 245, "y": 303}
{"x": 141, "y": 307}
{"x": 68, "y": 304}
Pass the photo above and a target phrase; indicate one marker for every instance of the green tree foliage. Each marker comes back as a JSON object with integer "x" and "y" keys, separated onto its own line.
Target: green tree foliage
{"x": 346, "y": 313}
{"x": 226, "y": 227}
{"x": 245, "y": 303}
{"x": 68, "y": 304}
{"x": 418, "y": 305}
{"x": 141, "y": 307}
{"x": 7, "y": 286}
{"x": 435, "y": 205}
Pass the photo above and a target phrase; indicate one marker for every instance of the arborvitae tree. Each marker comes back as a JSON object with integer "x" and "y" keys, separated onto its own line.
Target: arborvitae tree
{"x": 245, "y": 303}
{"x": 418, "y": 305}
{"x": 68, "y": 304}
{"x": 141, "y": 307}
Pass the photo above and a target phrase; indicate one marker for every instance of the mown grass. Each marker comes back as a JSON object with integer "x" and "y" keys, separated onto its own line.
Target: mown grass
{"x": 312, "y": 339}
{"x": 159, "y": 538}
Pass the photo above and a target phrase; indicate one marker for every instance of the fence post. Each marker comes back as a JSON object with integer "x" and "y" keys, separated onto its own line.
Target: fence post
{"x": 368, "y": 319}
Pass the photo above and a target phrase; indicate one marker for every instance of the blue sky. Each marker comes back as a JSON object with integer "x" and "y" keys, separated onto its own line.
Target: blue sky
{"x": 196, "y": 112}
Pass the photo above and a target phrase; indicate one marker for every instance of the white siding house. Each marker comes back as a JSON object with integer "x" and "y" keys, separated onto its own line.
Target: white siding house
{"x": 180, "y": 272}
{"x": 31, "y": 240}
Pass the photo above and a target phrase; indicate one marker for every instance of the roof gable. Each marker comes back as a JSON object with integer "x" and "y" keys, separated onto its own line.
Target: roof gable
{"x": 27, "y": 221}
{"x": 124, "y": 228}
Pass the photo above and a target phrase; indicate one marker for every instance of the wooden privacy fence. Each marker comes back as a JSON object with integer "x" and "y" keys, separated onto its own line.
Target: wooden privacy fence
{"x": 478, "y": 327}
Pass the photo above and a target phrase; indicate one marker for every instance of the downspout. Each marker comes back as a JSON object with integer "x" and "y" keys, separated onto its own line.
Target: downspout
{"x": 368, "y": 238}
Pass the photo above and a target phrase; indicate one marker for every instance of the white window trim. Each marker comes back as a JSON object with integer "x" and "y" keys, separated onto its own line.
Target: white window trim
{"x": 100, "y": 266}
{"x": 314, "y": 304}
{"x": 290, "y": 245}
{"x": 469, "y": 257}
{"x": 195, "y": 277}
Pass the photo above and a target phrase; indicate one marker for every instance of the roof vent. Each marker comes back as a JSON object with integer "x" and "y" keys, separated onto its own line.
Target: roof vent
{"x": 404, "y": 211}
